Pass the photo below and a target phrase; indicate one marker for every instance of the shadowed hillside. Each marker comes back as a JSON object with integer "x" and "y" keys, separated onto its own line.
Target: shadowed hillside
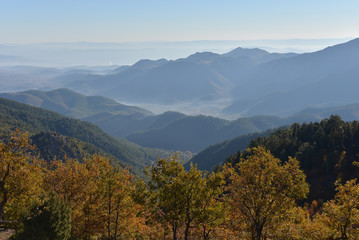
{"x": 38, "y": 121}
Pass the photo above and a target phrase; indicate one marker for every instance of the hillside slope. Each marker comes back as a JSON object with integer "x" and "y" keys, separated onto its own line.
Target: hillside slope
{"x": 216, "y": 154}
{"x": 36, "y": 120}
{"x": 194, "y": 133}
{"x": 73, "y": 104}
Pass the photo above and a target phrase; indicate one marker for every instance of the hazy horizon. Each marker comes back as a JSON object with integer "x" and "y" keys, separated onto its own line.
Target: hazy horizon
{"x": 66, "y": 54}
{"x": 116, "y": 32}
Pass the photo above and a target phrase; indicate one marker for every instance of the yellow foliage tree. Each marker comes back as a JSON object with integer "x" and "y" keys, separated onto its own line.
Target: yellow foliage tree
{"x": 296, "y": 224}
{"x": 184, "y": 200}
{"x": 261, "y": 188}
{"x": 20, "y": 177}
{"x": 115, "y": 188}
{"x": 100, "y": 196}
{"x": 340, "y": 216}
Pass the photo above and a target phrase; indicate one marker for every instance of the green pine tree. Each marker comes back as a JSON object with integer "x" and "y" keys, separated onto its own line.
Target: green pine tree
{"x": 48, "y": 221}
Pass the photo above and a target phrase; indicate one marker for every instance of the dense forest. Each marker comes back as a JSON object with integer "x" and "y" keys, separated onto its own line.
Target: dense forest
{"x": 296, "y": 183}
{"x": 326, "y": 152}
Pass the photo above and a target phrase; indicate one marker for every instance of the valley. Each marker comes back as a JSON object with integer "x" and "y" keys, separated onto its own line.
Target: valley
{"x": 241, "y": 79}
{"x": 162, "y": 123}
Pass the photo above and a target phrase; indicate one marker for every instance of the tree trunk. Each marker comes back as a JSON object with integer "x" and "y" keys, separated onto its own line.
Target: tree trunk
{"x": 174, "y": 231}
{"x": 116, "y": 223}
{"x": 259, "y": 230}
{"x": 109, "y": 204}
{"x": 206, "y": 233}
{"x": 3, "y": 201}
{"x": 4, "y": 191}
{"x": 186, "y": 232}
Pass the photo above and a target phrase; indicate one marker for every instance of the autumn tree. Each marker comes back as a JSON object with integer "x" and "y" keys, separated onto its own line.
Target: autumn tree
{"x": 181, "y": 199}
{"x": 340, "y": 216}
{"x": 261, "y": 188}
{"x": 99, "y": 193}
{"x": 205, "y": 209}
{"x": 120, "y": 210}
{"x": 76, "y": 182}
{"x": 296, "y": 224}
{"x": 20, "y": 176}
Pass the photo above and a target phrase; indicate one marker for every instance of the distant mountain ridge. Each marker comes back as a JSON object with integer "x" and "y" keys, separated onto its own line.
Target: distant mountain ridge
{"x": 285, "y": 86}
{"x": 72, "y": 104}
{"x": 199, "y": 76}
{"x": 253, "y": 81}
{"x": 257, "y": 55}
{"x": 242, "y": 82}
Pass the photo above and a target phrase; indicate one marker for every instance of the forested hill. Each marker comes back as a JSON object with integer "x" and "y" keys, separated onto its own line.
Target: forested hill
{"x": 326, "y": 152}
{"x": 52, "y": 145}
{"x": 36, "y": 120}
{"x": 73, "y": 104}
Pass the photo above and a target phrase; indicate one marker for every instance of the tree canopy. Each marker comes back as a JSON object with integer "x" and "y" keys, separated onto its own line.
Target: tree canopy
{"x": 261, "y": 189}
{"x": 257, "y": 197}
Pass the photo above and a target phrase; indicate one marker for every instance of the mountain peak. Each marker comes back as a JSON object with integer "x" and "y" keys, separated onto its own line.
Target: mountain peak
{"x": 246, "y": 52}
{"x": 147, "y": 63}
{"x": 203, "y": 57}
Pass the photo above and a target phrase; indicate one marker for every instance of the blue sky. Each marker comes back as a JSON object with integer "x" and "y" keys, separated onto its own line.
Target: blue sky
{"x": 35, "y": 21}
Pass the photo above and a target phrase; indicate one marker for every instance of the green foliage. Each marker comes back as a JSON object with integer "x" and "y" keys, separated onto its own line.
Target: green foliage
{"x": 325, "y": 150}
{"x": 48, "y": 221}
{"x": 54, "y": 145}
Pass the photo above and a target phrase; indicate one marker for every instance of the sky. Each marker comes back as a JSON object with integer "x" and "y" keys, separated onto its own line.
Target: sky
{"x": 39, "y": 21}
